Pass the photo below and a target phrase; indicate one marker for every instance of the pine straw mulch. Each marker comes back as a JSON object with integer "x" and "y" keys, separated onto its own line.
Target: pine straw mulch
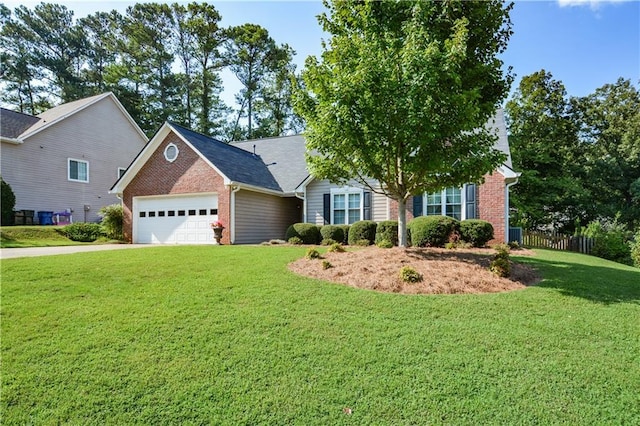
{"x": 444, "y": 271}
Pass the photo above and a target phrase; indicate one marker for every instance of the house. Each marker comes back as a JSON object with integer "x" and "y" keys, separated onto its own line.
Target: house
{"x": 182, "y": 181}
{"x": 67, "y": 158}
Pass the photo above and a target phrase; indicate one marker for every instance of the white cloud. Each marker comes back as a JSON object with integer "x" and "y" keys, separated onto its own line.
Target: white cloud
{"x": 593, "y": 4}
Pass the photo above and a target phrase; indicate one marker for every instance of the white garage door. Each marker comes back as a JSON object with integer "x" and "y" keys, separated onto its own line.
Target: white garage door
{"x": 175, "y": 219}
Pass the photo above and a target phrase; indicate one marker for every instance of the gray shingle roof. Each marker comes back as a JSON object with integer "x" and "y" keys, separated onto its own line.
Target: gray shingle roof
{"x": 236, "y": 164}
{"x": 284, "y": 156}
{"x": 13, "y": 124}
{"x": 502, "y": 144}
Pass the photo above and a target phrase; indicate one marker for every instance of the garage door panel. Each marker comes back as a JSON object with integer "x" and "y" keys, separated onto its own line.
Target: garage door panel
{"x": 175, "y": 220}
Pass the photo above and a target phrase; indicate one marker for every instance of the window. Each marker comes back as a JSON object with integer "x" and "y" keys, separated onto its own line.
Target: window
{"x": 171, "y": 153}
{"x": 78, "y": 170}
{"x": 346, "y": 205}
{"x": 121, "y": 171}
{"x": 447, "y": 202}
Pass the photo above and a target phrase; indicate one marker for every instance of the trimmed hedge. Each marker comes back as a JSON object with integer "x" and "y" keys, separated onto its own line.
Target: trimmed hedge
{"x": 362, "y": 230}
{"x": 345, "y": 230}
{"x": 83, "y": 231}
{"x": 332, "y": 232}
{"x": 307, "y": 232}
{"x": 476, "y": 232}
{"x": 432, "y": 231}
{"x": 387, "y": 230}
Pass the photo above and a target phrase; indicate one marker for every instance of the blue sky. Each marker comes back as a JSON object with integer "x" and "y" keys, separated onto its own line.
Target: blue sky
{"x": 583, "y": 43}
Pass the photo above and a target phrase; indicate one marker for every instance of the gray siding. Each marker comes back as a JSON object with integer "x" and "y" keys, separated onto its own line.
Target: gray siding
{"x": 317, "y": 188}
{"x": 261, "y": 217}
{"x": 37, "y": 169}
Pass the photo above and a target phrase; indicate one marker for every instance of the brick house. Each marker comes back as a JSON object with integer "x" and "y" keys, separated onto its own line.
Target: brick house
{"x": 182, "y": 181}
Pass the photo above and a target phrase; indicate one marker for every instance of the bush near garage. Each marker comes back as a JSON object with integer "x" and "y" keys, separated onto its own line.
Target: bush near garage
{"x": 476, "y": 232}
{"x": 432, "y": 231}
{"x": 362, "y": 230}
{"x": 307, "y": 232}
{"x": 83, "y": 232}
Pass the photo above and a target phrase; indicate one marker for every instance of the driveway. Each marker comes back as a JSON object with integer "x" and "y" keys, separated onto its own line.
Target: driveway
{"x": 10, "y": 253}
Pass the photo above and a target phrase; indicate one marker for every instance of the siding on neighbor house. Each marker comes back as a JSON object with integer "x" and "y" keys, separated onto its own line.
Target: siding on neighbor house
{"x": 315, "y": 201}
{"x": 188, "y": 174}
{"x": 261, "y": 217}
{"x": 37, "y": 169}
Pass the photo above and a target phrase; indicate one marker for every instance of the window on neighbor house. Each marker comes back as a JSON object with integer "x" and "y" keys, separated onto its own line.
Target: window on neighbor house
{"x": 346, "y": 206}
{"x": 78, "y": 170}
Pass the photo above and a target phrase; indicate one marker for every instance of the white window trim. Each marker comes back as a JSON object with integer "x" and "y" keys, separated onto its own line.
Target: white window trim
{"x": 121, "y": 169}
{"x": 69, "y": 160}
{"x": 346, "y": 190}
{"x": 171, "y": 145}
{"x": 443, "y": 202}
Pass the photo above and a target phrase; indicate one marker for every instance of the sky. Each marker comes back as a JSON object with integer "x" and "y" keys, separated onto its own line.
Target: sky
{"x": 583, "y": 43}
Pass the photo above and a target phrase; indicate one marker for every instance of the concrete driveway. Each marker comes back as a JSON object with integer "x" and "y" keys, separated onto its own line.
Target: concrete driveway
{"x": 10, "y": 253}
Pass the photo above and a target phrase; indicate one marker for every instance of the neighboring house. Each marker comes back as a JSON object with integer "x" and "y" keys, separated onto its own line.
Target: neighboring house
{"x": 68, "y": 157}
{"x": 182, "y": 181}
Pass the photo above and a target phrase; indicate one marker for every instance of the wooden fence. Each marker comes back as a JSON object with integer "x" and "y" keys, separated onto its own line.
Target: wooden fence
{"x": 555, "y": 240}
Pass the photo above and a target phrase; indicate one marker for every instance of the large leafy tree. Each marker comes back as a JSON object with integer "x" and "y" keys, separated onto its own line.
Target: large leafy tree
{"x": 546, "y": 149}
{"x": 402, "y": 92}
{"x": 610, "y": 125}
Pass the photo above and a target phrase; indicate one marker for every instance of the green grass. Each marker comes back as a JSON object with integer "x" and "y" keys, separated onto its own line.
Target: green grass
{"x": 226, "y": 335}
{"x": 37, "y": 236}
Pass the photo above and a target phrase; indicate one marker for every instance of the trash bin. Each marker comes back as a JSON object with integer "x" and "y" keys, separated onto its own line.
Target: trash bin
{"x": 45, "y": 218}
{"x": 28, "y": 216}
{"x": 62, "y": 218}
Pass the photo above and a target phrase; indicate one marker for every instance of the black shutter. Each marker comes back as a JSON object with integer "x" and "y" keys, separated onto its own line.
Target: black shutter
{"x": 367, "y": 206}
{"x": 471, "y": 201}
{"x": 326, "y": 208}
{"x": 417, "y": 205}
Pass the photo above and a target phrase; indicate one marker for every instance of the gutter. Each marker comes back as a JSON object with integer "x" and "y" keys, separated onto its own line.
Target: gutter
{"x": 12, "y": 141}
{"x": 232, "y": 214}
{"x": 506, "y": 207}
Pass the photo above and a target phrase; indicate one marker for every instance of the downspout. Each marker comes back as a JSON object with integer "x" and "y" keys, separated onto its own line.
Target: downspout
{"x": 506, "y": 209}
{"x": 232, "y": 214}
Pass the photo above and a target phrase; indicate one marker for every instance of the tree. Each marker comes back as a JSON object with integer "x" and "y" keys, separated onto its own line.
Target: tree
{"x": 402, "y": 93}
{"x": 610, "y": 125}
{"x": 7, "y": 203}
{"x": 546, "y": 149}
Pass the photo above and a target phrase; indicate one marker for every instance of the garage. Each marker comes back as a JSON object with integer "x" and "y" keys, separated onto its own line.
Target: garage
{"x": 175, "y": 219}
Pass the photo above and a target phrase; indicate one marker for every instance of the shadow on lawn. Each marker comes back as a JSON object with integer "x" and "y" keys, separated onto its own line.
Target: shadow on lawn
{"x": 598, "y": 283}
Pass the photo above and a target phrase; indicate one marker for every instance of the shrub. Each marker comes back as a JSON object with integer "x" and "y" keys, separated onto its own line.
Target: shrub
{"x": 362, "y": 243}
{"x": 83, "y": 231}
{"x": 307, "y": 232}
{"x": 610, "y": 241}
{"x": 514, "y": 245}
{"x": 332, "y": 232}
{"x": 328, "y": 242}
{"x": 432, "y": 231}
{"x": 336, "y": 248}
{"x": 312, "y": 254}
{"x": 385, "y": 244}
{"x": 345, "y": 230}
{"x": 501, "y": 267}
{"x": 112, "y": 220}
{"x": 326, "y": 264}
{"x": 7, "y": 203}
{"x": 362, "y": 230}
{"x": 477, "y": 232}
{"x": 387, "y": 230}
{"x": 410, "y": 275}
{"x": 295, "y": 240}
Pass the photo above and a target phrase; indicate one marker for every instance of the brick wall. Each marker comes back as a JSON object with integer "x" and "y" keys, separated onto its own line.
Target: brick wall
{"x": 393, "y": 209}
{"x": 186, "y": 175}
{"x": 491, "y": 205}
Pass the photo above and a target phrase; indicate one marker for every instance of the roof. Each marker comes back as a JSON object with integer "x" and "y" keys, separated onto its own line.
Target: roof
{"x": 284, "y": 156}
{"x": 502, "y": 144}
{"x": 238, "y": 165}
{"x": 13, "y": 124}
{"x": 60, "y": 112}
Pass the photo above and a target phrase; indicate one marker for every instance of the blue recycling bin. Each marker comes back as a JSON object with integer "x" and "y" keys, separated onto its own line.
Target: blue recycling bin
{"x": 45, "y": 218}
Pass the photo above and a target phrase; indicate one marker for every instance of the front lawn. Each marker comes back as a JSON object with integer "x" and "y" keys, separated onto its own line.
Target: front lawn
{"x": 227, "y": 335}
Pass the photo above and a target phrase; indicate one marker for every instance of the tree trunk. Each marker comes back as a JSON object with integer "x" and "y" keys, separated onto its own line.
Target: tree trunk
{"x": 402, "y": 222}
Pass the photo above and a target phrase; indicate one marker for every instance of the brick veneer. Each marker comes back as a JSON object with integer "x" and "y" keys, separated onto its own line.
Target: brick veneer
{"x": 188, "y": 174}
{"x": 490, "y": 206}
